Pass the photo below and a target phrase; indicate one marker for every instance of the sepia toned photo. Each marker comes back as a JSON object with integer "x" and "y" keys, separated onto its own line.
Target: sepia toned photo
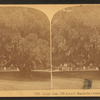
{"x": 49, "y": 50}
{"x": 24, "y": 49}
{"x": 76, "y": 48}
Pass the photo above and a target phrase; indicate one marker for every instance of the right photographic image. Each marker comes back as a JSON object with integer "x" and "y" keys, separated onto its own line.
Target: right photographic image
{"x": 76, "y": 48}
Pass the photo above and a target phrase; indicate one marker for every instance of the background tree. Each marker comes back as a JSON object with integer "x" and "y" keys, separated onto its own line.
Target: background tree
{"x": 24, "y": 38}
{"x": 76, "y": 36}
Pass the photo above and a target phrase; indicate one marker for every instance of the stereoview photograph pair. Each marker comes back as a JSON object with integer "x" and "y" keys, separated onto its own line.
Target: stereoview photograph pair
{"x": 49, "y": 48}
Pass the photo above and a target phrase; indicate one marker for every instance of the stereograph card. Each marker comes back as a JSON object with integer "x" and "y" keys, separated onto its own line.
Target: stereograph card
{"x": 49, "y": 50}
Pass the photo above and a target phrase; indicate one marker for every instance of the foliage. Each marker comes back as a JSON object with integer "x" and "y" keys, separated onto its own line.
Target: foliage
{"x": 24, "y": 39}
{"x": 76, "y": 36}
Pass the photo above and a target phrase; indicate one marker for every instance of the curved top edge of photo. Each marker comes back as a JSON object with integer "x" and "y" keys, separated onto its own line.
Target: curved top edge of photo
{"x": 25, "y": 20}
{"x": 76, "y": 11}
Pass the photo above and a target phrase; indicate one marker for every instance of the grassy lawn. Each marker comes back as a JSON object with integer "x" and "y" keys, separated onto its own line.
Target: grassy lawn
{"x": 41, "y": 80}
{"x": 75, "y": 79}
{"x": 15, "y": 81}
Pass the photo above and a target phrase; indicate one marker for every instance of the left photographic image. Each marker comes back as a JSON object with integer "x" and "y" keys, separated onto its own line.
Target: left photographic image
{"x": 24, "y": 49}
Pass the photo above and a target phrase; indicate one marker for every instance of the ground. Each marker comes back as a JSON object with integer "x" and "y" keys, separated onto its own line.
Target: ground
{"x": 72, "y": 83}
{"x": 14, "y": 81}
{"x": 41, "y": 80}
{"x": 15, "y": 85}
{"x": 75, "y": 80}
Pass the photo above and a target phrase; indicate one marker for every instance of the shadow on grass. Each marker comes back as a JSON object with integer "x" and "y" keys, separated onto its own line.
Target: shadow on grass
{"x": 94, "y": 75}
{"x": 18, "y": 76}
